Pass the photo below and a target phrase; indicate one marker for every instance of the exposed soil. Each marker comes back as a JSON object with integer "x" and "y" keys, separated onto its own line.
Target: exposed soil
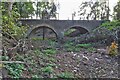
{"x": 83, "y": 64}
{"x": 87, "y": 65}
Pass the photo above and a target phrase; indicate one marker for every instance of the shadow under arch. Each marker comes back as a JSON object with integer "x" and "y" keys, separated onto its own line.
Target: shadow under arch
{"x": 41, "y": 27}
{"x": 74, "y": 30}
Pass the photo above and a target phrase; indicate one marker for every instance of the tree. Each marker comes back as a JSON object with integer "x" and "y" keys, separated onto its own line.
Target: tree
{"x": 12, "y": 11}
{"x": 46, "y": 10}
{"x": 10, "y": 25}
{"x": 40, "y": 9}
{"x": 94, "y": 10}
{"x": 25, "y": 9}
{"x": 117, "y": 11}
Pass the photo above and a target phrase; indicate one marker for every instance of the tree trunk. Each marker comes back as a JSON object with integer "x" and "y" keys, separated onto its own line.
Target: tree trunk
{"x": 10, "y": 8}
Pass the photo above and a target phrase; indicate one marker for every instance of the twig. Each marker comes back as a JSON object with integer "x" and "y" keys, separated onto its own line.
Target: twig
{"x": 12, "y": 62}
{"x": 19, "y": 62}
{"x": 15, "y": 46}
{"x": 10, "y": 36}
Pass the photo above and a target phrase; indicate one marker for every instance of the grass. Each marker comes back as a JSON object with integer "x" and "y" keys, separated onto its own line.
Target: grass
{"x": 74, "y": 49}
{"x": 50, "y": 51}
{"x": 84, "y": 45}
{"x": 69, "y": 46}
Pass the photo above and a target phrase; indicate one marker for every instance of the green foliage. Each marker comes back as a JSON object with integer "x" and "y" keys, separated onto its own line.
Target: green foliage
{"x": 69, "y": 31}
{"x": 84, "y": 45}
{"x": 4, "y": 58}
{"x": 47, "y": 69}
{"x": 44, "y": 7}
{"x": 15, "y": 70}
{"x": 113, "y": 25}
{"x": 37, "y": 52}
{"x": 69, "y": 46}
{"x": 75, "y": 49}
{"x": 51, "y": 65}
{"x": 117, "y": 11}
{"x": 52, "y": 42}
{"x": 91, "y": 49}
{"x": 51, "y": 59}
{"x": 65, "y": 75}
{"x": 10, "y": 25}
{"x": 94, "y": 10}
{"x": 25, "y": 9}
{"x": 50, "y": 51}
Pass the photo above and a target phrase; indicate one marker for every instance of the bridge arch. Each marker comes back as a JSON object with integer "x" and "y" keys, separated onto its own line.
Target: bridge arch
{"x": 41, "y": 26}
{"x": 80, "y": 29}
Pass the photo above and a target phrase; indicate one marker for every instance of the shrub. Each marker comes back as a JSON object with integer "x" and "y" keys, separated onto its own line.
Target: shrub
{"x": 113, "y": 49}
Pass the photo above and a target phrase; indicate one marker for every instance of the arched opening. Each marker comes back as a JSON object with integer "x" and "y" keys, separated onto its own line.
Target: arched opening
{"x": 75, "y": 31}
{"x": 43, "y": 32}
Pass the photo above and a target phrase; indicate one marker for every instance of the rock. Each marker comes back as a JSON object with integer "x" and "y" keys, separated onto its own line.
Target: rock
{"x": 85, "y": 52}
{"x": 96, "y": 59}
{"x": 74, "y": 55}
{"x": 106, "y": 56}
{"x": 75, "y": 70}
{"x": 85, "y": 58}
{"x": 104, "y": 51}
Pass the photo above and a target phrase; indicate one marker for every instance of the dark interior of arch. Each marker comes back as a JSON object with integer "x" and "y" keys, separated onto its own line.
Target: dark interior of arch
{"x": 76, "y": 31}
{"x": 43, "y": 32}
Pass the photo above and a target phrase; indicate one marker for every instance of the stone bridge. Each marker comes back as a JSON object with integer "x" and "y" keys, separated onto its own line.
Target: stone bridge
{"x": 60, "y": 26}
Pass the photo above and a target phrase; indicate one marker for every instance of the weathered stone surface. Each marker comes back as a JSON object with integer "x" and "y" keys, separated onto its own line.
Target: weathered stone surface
{"x": 60, "y": 26}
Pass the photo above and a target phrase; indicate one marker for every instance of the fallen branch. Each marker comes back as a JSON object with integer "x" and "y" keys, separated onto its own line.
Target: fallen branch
{"x": 5, "y": 33}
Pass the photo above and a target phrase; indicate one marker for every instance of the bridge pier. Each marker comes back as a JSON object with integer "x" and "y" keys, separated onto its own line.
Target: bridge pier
{"x": 60, "y": 36}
